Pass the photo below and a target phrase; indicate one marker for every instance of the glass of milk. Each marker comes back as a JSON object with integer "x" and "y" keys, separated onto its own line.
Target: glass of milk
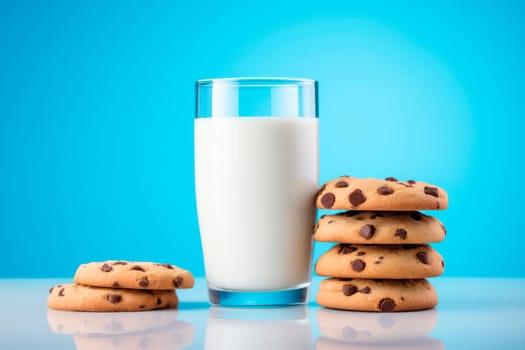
{"x": 256, "y": 176}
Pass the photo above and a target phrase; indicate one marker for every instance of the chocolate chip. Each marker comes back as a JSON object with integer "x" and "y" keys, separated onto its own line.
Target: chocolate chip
{"x": 138, "y": 268}
{"x": 114, "y": 298}
{"x": 387, "y": 305}
{"x": 143, "y": 282}
{"x": 177, "y": 282}
{"x": 412, "y": 182}
{"x": 401, "y": 233}
{"x": 365, "y": 290}
{"x": 106, "y": 267}
{"x": 51, "y": 290}
{"x": 61, "y": 292}
{"x": 381, "y": 257}
{"x": 328, "y": 200}
{"x": 356, "y": 197}
{"x": 330, "y": 221}
{"x": 358, "y": 265}
{"x": 142, "y": 306}
{"x": 402, "y": 299}
{"x": 442, "y": 264}
{"x": 346, "y": 249}
{"x": 431, "y": 191}
{"x": 341, "y": 184}
{"x": 385, "y": 190}
{"x": 376, "y": 215}
{"x": 393, "y": 179}
{"x": 423, "y": 257}
{"x": 367, "y": 231}
{"x": 159, "y": 301}
{"x": 415, "y": 215}
{"x": 361, "y": 253}
{"x": 168, "y": 266}
{"x": 115, "y": 284}
{"x": 119, "y": 263}
{"x": 349, "y": 289}
{"x": 377, "y": 262}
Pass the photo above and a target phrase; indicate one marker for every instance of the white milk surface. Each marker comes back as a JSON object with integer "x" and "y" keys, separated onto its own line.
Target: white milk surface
{"x": 256, "y": 179}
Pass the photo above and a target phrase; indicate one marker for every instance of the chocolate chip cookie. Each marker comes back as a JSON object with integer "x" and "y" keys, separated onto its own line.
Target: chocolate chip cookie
{"x": 380, "y": 295}
{"x": 75, "y": 297}
{"x": 347, "y": 192}
{"x": 380, "y": 261}
{"x": 133, "y": 275}
{"x": 379, "y": 227}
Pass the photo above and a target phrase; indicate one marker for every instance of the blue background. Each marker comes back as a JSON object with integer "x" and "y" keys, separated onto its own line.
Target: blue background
{"x": 97, "y": 106}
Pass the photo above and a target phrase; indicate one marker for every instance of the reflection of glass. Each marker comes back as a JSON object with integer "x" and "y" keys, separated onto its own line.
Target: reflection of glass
{"x": 274, "y": 328}
{"x": 122, "y": 330}
{"x": 399, "y": 330}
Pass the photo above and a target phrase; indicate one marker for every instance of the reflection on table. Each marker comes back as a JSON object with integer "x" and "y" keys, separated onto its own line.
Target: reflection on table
{"x": 367, "y": 330}
{"x": 122, "y": 330}
{"x": 259, "y": 328}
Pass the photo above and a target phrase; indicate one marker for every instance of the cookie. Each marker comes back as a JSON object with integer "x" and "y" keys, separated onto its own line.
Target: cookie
{"x": 348, "y": 192}
{"x": 75, "y": 297}
{"x": 377, "y": 295}
{"x": 379, "y": 227}
{"x": 380, "y": 261}
{"x": 133, "y": 275}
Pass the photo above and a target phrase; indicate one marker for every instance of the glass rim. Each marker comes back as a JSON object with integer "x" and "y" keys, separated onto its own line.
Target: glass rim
{"x": 257, "y": 81}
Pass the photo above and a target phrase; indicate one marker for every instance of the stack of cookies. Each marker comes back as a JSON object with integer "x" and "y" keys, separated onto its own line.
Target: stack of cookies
{"x": 382, "y": 257}
{"x": 121, "y": 286}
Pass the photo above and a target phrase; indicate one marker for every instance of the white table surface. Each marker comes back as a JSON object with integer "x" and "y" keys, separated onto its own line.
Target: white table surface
{"x": 473, "y": 313}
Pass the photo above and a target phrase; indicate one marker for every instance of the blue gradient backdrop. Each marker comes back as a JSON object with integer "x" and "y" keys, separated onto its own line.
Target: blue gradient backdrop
{"x": 97, "y": 105}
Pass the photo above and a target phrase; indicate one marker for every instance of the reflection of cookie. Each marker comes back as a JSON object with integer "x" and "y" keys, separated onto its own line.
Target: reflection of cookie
{"x": 179, "y": 335}
{"x": 348, "y": 192}
{"x": 324, "y": 343}
{"x": 380, "y": 261}
{"x": 377, "y": 295}
{"x": 133, "y": 275}
{"x": 373, "y": 327}
{"x": 74, "y": 297}
{"x": 85, "y": 323}
{"x": 379, "y": 227}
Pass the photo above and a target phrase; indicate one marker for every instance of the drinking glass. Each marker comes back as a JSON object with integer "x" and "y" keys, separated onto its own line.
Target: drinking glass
{"x": 256, "y": 175}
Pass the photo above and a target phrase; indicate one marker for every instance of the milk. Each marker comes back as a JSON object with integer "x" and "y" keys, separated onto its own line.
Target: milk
{"x": 256, "y": 179}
